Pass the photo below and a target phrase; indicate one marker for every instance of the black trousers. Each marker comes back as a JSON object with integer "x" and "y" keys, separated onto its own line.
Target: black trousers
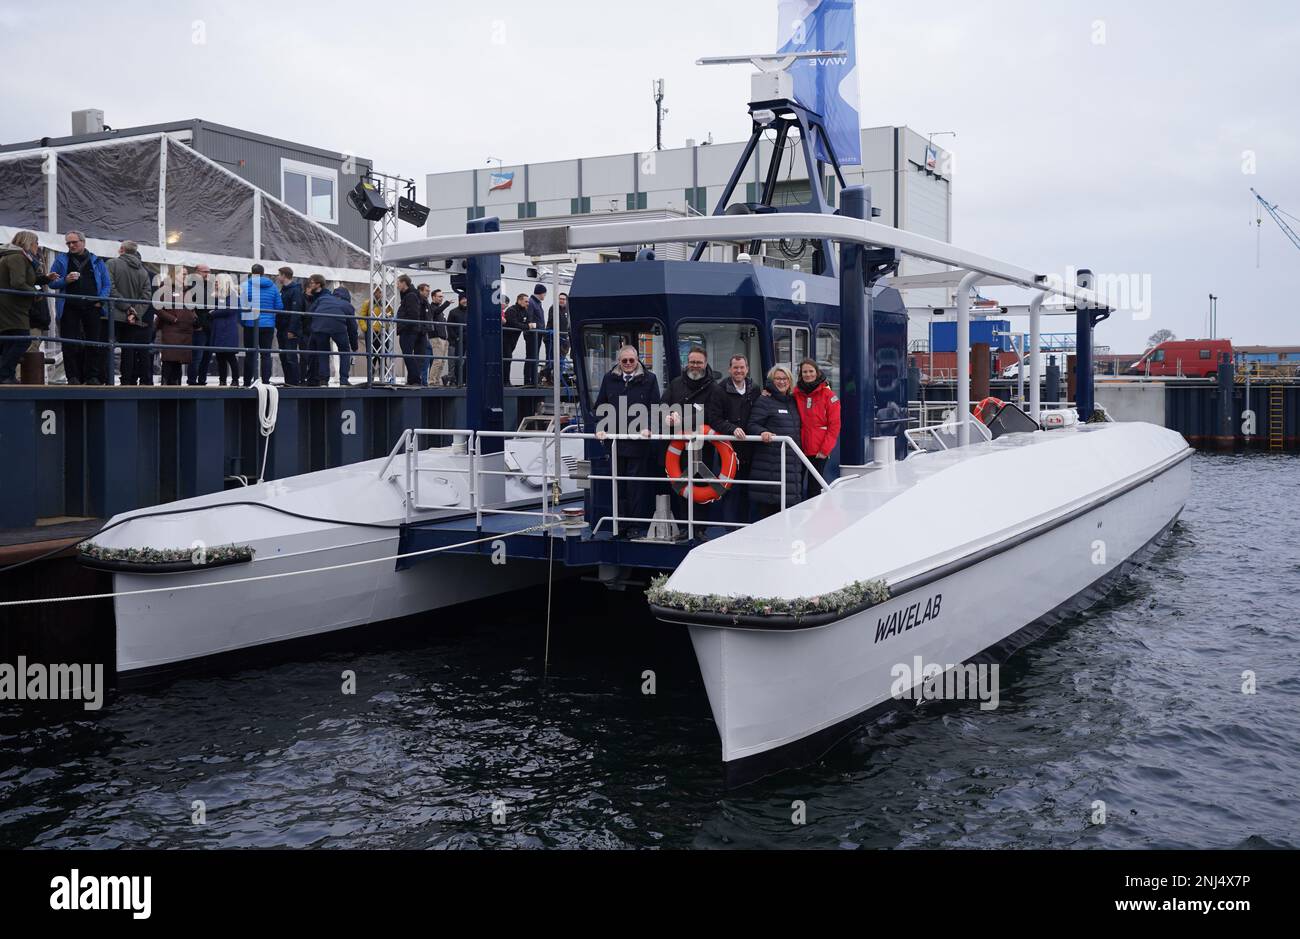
{"x": 202, "y": 360}
{"x": 227, "y": 361}
{"x": 813, "y": 488}
{"x": 11, "y": 353}
{"x": 290, "y": 361}
{"x": 137, "y": 362}
{"x": 171, "y": 373}
{"x": 635, "y": 499}
{"x": 313, "y": 366}
{"x": 415, "y": 346}
{"x": 262, "y": 337}
{"x": 82, "y": 363}
{"x": 530, "y": 353}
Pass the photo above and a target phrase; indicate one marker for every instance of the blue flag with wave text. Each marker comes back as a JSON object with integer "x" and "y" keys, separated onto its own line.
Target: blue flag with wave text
{"x": 828, "y": 86}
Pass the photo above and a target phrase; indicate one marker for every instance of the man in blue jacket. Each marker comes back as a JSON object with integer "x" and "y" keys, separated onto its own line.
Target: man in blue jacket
{"x": 82, "y": 314}
{"x": 259, "y": 301}
{"x": 335, "y": 319}
{"x": 290, "y": 330}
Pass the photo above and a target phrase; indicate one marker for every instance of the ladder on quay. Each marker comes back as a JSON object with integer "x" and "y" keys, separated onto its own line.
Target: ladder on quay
{"x": 1276, "y": 418}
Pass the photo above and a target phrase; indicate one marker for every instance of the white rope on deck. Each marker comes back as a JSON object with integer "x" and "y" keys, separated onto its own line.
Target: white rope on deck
{"x": 246, "y": 580}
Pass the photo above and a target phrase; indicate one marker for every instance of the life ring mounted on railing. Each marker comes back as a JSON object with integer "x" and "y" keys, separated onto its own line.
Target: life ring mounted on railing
{"x": 703, "y": 489}
{"x": 988, "y": 409}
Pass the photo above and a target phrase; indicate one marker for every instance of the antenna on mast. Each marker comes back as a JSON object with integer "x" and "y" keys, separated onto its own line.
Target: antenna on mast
{"x": 660, "y": 112}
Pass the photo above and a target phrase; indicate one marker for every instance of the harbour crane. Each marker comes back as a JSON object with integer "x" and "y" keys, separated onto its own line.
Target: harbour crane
{"x": 1277, "y": 214}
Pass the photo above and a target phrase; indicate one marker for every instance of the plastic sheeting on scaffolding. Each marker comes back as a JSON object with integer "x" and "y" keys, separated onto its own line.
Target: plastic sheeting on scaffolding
{"x": 179, "y": 206}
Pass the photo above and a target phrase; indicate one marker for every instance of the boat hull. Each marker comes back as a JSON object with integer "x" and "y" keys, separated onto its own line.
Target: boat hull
{"x": 160, "y": 629}
{"x": 781, "y": 697}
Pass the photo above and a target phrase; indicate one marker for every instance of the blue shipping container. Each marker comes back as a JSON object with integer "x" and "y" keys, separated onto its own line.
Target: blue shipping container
{"x": 943, "y": 336}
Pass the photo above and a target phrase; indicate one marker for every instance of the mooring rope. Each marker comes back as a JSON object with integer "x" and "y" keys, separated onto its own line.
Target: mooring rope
{"x": 246, "y": 580}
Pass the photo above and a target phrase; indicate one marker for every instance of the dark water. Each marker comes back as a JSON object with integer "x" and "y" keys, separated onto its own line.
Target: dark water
{"x": 1137, "y": 703}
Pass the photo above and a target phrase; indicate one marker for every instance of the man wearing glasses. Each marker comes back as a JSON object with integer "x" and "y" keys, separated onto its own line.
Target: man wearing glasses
{"x": 83, "y": 278}
{"x": 639, "y": 388}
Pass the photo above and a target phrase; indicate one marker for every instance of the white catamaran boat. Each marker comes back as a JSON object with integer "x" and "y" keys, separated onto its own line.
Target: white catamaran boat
{"x": 955, "y": 544}
{"x": 312, "y": 554}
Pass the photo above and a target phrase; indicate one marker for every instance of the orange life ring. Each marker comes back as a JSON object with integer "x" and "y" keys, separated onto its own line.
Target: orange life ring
{"x": 702, "y": 491}
{"x": 991, "y": 406}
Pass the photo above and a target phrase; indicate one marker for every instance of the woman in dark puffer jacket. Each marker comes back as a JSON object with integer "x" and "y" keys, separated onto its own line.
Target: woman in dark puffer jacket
{"x": 775, "y": 414}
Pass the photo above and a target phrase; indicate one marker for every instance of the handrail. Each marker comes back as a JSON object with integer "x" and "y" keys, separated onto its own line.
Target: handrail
{"x": 402, "y": 442}
{"x": 615, "y": 478}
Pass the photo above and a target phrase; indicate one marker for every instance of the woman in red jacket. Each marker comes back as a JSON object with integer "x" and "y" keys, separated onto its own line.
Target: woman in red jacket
{"x": 819, "y": 413}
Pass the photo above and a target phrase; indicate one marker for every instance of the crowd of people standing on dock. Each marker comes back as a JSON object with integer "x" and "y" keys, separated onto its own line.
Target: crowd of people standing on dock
{"x": 200, "y": 322}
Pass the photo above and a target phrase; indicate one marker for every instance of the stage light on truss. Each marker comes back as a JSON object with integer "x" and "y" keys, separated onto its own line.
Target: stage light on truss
{"x": 369, "y": 202}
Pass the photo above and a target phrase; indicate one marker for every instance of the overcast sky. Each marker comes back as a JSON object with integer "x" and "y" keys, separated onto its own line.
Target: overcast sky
{"x": 1116, "y": 135}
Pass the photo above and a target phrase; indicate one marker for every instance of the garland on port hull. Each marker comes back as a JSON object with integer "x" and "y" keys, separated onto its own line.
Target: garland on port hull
{"x": 171, "y": 558}
{"x": 857, "y": 595}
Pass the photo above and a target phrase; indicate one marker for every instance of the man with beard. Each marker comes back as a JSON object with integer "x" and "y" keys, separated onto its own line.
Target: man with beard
{"x": 689, "y": 396}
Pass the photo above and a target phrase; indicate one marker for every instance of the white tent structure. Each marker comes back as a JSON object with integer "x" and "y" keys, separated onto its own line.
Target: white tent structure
{"x": 179, "y": 206}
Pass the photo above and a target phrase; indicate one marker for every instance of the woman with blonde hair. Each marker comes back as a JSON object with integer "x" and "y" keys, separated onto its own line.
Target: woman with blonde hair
{"x": 775, "y": 414}
{"x": 225, "y": 328}
{"x": 20, "y": 275}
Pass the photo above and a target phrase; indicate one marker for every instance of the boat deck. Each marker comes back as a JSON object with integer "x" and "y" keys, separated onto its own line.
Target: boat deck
{"x": 571, "y": 546}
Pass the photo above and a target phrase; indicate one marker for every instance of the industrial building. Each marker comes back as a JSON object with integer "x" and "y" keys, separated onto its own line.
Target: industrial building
{"x": 909, "y": 178}
{"x": 189, "y": 191}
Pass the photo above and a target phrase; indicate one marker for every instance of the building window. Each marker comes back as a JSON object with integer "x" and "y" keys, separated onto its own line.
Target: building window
{"x": 580, "y": 206}
{"x": 751, "y": 192}
{"x": 527, "y": 210}
{"x": 636, "y": 200}
{"x": 473, "y": 213}
{"x": 697, "y": 199}
{"x": 312, "y": 190}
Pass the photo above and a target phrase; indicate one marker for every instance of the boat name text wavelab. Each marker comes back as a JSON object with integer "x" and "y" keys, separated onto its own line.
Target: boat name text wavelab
{"x": 900, "y": 621}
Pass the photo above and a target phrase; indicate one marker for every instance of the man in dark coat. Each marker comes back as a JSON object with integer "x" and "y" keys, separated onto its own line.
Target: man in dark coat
{"x": 689, "y": 396}
{"x": 625, "y": 404}
{"x": 776, "y": 414}
{"x": 457, "y": 318}
{"x": 549, "y": 355}
{"x": 201, "y": 289}
{"x": 82, "y": 314}
{"x": 334, "y": 320}
{"x": 516, "y": 322}
{"x": 728, "y": 414}
{"x": 289, "y": 329}
{"x": 133, "y": 320}
{"x": 410, "y": 330}
{"x": 534, "y": 338}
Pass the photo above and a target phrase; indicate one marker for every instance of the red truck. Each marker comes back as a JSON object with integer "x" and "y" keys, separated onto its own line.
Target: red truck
{"x": 1191, "y": 358}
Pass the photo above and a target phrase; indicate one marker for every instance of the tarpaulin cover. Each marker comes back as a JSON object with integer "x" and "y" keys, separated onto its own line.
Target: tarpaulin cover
{"x": 22, "y": 193}
{"x": 110, "y": 192}
{"x": 288, "y": 237}
{"x": 206, "y": 210}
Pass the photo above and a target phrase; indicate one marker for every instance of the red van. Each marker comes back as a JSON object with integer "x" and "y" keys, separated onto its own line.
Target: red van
{"x": 1190, "y": 358}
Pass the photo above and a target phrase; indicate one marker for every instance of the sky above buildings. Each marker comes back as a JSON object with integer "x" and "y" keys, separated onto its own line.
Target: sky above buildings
{"x": 1121, "y": 136}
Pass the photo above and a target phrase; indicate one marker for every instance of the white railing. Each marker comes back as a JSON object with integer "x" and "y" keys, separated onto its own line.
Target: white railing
{"x": 554, "y": 471}
{"x": 945, "y": 436}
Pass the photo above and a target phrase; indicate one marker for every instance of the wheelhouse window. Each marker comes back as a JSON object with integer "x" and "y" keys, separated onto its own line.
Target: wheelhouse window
{"x": 311, "y": 189}
{"x": 828, "y": 354}
{"x": 1159, "y": 356}
{"x": 1205, "y": 353}
{"x": 720, "y": 342}
{"x": 600, "y": 345}
{"x": 790, "y": 345}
